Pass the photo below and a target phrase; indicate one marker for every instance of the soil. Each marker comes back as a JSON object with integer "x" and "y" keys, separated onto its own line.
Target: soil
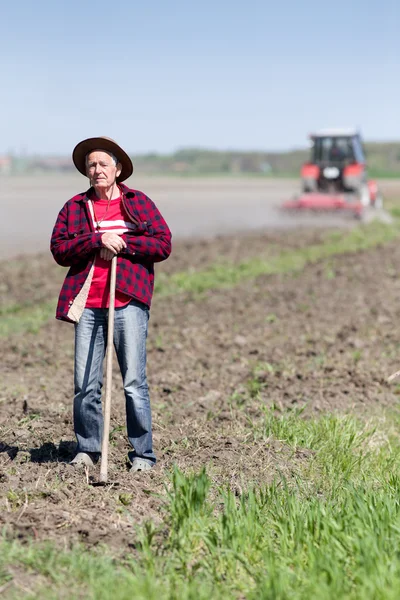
{"x": 322, "y": 340}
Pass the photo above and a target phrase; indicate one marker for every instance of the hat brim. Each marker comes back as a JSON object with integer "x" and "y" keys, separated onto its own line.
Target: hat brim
{"x": 82, "y": 149}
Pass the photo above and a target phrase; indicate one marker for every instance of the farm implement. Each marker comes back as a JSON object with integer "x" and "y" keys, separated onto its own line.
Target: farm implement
{"x": 335, "y": 178}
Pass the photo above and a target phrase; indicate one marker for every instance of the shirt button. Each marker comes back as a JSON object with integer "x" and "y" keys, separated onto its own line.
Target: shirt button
{"x": 75, "y": 234}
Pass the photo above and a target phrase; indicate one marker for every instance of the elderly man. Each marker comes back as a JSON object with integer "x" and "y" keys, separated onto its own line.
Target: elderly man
{"x": 91, "y": 228}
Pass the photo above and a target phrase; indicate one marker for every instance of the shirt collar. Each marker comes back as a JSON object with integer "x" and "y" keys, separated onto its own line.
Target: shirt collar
{"x": 127, "y": 192}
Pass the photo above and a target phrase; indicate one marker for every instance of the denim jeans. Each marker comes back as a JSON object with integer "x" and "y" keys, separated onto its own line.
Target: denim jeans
{"x": 130, "y": 333}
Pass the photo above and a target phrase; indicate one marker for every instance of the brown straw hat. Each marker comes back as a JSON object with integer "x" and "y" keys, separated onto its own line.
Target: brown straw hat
{"x": 106, "y": 144}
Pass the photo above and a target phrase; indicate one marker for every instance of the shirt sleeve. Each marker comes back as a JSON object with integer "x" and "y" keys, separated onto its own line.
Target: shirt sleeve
{"x": 155, "y": 243}
{"x": 71, "y": 248}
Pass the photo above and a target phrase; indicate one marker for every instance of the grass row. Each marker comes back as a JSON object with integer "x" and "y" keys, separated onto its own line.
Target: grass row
{"x": 332, "y": 530}
{"x": 25, "y": 319}
{"x": 224, "y": 275}
{"x": 288, "y": 261}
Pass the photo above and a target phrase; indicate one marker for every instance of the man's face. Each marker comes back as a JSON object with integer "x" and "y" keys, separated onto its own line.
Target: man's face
{"x": 101, "y": 169}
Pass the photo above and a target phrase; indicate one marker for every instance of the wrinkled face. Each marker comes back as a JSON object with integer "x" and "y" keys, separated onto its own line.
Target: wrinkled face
{"x": 101, "y": 169}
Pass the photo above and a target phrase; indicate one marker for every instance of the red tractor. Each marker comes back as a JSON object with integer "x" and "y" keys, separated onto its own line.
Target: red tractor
{"x": 335, "y": 178}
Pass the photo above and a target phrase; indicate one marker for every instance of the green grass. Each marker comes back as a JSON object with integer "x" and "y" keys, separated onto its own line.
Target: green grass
{"x": 21, "y": 319}
{"x": 25, "y": 319}
{"x": 382, "y": 174}
{"x": 225, "y": 275}
{"x": 332, "y": 530}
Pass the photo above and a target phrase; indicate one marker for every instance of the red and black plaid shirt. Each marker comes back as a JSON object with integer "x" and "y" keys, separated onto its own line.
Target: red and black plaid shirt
{"x": 74, "y": 244}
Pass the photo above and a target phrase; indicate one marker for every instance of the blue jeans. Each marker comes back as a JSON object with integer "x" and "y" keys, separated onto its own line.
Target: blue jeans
{"x": 130, "y": 333}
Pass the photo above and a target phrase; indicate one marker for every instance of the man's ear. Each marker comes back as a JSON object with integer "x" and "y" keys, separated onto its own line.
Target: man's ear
{"x": 119, "y": 169}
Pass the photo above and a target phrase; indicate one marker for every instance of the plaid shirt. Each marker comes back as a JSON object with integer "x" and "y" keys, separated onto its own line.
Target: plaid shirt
{"x": 74, "y": 244}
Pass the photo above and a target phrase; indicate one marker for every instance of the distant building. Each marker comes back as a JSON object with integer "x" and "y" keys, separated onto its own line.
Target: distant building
{"x": 179, "y": 167}
{"x": 51, "y": 163}
{"x": 5, "y": 165}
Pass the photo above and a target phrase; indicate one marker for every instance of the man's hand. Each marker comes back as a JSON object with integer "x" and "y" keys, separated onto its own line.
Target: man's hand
{"x": 106, "y": 254}
{"x": 112, "y": 242}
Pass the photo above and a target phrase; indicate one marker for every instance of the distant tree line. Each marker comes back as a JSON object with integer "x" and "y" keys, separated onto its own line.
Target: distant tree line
{"x": 383, "y": 160}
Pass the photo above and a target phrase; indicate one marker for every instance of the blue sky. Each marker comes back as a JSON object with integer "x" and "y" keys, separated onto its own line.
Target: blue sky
{"x": 158, "y": 76}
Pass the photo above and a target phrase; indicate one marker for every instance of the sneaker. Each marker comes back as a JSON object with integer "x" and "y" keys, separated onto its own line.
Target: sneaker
{"x": 139, "y": 464}
{"x": 85, "y": 459}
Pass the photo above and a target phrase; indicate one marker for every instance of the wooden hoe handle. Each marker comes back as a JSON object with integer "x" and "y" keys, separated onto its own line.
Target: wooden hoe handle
{"x": 393, "y": 376}
{"x": 109, "y": 357}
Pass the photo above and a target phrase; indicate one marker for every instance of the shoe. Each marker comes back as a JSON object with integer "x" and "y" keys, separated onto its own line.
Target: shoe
{"x": 139, "y": 464}
{"x": 85, "y": 459}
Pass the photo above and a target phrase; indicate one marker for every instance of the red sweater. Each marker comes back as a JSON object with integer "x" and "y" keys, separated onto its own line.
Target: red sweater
{"x": 106, "y": 217}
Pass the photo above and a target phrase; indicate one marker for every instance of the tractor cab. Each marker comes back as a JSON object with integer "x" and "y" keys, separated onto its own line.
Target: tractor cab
{"x": 337, "y": 162}
{"x": 335, "y": 177}
{"x": 338, "y": 149}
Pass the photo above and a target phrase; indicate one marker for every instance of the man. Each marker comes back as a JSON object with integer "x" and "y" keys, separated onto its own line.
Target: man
{"x": 91, "y": 228}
